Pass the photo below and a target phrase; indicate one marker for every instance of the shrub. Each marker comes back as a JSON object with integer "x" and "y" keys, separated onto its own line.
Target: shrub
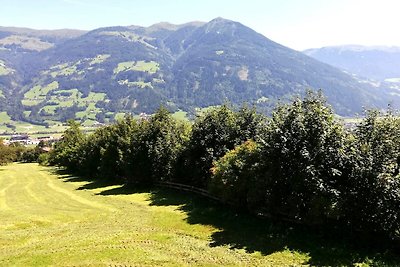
{"x": 235, "y": 177}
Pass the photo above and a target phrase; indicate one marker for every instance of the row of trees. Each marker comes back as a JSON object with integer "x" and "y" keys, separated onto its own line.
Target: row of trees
{"x": 300, "y": 164}
{"x": 18, "y": 152}
{"x": 10, "y": 153}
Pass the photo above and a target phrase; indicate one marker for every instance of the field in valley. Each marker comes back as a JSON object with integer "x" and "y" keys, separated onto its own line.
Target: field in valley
{"x": 52, "y": 218}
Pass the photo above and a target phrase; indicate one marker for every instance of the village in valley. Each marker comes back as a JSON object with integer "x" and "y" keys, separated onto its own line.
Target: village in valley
{"x": 27, "y": 140}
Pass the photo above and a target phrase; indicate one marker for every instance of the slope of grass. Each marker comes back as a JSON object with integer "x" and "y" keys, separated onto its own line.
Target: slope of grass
{"x": 4, "y": 117}
{"x": 52, "y": 218}
{"x": 30, "y": 43}
{"x": 99, "y": 59}
{"x": 4, "y": 70}
{"x": 150, "y": 66}
{"x": 38, "y": 93}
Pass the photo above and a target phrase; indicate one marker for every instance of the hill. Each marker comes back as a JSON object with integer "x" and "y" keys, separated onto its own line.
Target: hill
{"x": 95, "y": 76}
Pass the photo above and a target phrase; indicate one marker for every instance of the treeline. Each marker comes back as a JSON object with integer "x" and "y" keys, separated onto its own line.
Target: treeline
{"x": 300, "y": 164}
{"x": 18, "y": 152}
{"x": 10, "y": 153}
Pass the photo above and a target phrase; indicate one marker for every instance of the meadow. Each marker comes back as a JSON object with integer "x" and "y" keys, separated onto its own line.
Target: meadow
{"x": 50, "y": 218}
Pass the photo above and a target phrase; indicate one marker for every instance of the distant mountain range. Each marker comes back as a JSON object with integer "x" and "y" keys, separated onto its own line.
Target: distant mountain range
{"x": 93, "y": 76}
{"x": 374, "y": 62}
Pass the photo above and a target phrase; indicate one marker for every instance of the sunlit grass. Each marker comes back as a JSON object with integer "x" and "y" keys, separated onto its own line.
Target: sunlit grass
{"x": 4, "y": 117}
{"x": 51, "y": 218}
{"x": 150, "y": 66}
{"x": 38, "y": 93}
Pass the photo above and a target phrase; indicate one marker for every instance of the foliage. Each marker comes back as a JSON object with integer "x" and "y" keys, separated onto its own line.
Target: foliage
{"x": 214, "y": 133}
{"x": 106, "y": 149}
{"x": 6, "y": 154}
{"x": 10, "y": 153}
{"x": 68, "y": 152}
{"x": 235, "y": 178}
{"x": 300, "y": 165}
{"x": 154, "y": 152}
{"x": 302, "y": 152}
{"x": 372, "y": 191}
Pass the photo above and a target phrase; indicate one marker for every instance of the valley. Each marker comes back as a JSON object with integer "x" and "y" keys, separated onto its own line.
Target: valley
{"x": 48, "y": 77}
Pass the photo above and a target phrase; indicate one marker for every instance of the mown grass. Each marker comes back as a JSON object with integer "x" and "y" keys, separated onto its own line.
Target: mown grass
{"x": 31, "y": 129}
{"x": 53, "y": 218}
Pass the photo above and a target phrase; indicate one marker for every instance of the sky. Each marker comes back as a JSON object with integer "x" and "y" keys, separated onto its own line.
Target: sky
{"x": 298, "y": 24}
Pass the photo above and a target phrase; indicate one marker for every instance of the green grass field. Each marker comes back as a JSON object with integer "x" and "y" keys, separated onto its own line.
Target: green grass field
{"x": 4, "y": 70}
{"x": 150, "y": 67}
{"x": 38, "y": 94}
{"x": 52, "y": 218}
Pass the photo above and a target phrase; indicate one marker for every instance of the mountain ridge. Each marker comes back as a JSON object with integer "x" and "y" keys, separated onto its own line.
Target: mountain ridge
{"x": 371, "y": 62}
{"x": 106, "y": 71}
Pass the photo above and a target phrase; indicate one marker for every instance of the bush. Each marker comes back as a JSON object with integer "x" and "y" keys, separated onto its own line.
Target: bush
{"x": 43, "y": 159}
{"x": 301, "y": 166}
{"x": 10, "y": 153}
{"x": 235, "y": 177}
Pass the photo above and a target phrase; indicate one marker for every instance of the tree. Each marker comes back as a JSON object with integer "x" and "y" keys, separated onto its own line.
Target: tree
{"x": 371, "y": 198}
{"x": 105, "y": 151}
{"x": 6, "y": 154}
{"x": 68, "y": 152}
{"x": 154, "y": 151}
{"x": 213, "y": 135}
{"x": 303, "y": 153}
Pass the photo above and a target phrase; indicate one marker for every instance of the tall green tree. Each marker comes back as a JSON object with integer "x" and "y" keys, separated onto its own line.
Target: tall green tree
{"x": 105, "y": 150}
{"x": 303, "y": 154}
{"x": 214, "y": 134}
{"x": 154, "y": 151}
{"x": 371, "y": 199}
{"x": 68, "y": 152}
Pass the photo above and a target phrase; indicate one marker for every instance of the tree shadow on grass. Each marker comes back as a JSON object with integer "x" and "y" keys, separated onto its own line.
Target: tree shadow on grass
{"x": 239, "y": 230}
{"x": 127, "y": 190}
{"x": 90, "y": 183}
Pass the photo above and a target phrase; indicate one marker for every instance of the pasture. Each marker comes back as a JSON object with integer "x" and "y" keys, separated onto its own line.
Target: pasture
{"x": 49, "y": 217}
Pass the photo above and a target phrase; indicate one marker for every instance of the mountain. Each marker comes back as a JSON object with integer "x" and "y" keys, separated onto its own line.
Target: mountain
{"x": 374, "y": 62}
{"x": 96, "y": 75}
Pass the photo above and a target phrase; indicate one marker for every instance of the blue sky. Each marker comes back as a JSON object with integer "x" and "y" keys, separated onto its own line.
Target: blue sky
{"x": 298, "y": 24}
